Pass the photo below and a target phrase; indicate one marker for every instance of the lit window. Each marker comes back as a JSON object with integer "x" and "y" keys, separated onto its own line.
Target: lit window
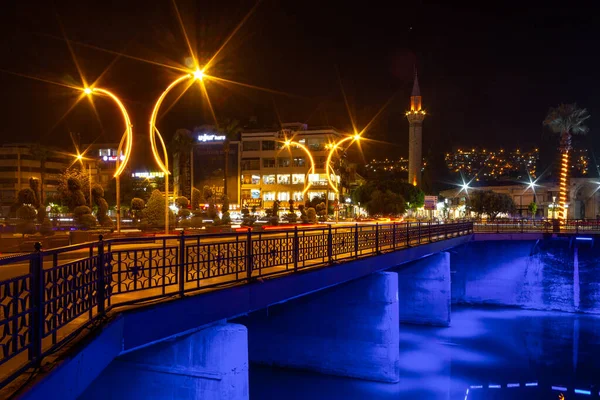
{"x": 283, "y": 179}
{"x": 283, "y": 196}
{"x": 269, "y": 179}
{"x": 298, "y": 196}
{"x": 299, "y": 161}
{"x": 268, "y": 196}
{"x": 297, "y": 179}
{"x": 283, "y": 162}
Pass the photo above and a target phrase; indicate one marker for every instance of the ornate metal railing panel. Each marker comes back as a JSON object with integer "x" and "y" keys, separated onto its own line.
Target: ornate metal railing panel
{"x": 141, "y": 269}
{"x": 15, "y": 317}
{"x": 70, "y": 290}
{"x": 312, "y": 247}
{"x": 61, "y": 291}
{"x": 211, "y": 260}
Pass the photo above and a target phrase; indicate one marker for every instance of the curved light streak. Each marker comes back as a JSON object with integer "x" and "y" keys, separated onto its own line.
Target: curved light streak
{"x": 127, "y": 136}
{"x": 354, "y": 138}
{"x": 154, "y": 131}
{"x": 288, "y": 144}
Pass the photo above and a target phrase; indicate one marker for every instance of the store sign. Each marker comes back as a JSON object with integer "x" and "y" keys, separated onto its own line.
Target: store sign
{"x": 430, "y": 202}
{"x": 210, "y": 138}
{"x": 148, "y": 175}
{"x": 251, "y": 203}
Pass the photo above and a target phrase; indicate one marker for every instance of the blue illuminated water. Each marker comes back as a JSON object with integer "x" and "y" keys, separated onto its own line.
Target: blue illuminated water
{"x": 483, "y": 347}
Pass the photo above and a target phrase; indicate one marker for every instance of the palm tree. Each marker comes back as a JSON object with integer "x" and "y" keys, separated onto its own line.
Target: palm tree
{"x": 230, "y": 128}
{"x": 566, "y": 120}
{"x": 181, "y": 145}
{"x": 41, "y": 153}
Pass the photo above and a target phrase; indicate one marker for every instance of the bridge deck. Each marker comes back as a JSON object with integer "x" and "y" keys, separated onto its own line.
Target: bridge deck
{"x": 50, "y": 296}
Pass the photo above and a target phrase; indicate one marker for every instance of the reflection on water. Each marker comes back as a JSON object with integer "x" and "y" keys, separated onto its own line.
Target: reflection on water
{"x": 495, "y": 353}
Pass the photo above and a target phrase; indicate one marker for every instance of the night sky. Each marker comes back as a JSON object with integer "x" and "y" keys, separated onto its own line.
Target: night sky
{"x": 487, "y": 77}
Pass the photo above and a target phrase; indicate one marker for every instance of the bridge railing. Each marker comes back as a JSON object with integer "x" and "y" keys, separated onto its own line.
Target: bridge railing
{"x": 48, "y": 297}
{"x": 538, "y": 225}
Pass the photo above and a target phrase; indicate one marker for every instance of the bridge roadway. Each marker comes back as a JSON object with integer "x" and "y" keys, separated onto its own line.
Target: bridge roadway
{"x": 143, "y": 272}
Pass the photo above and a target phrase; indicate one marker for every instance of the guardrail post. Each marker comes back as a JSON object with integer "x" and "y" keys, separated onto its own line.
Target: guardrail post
{"x": 356, "y": 241}
{"x": 522, "y": 225}
{"x": 407, "y": 234}
{"x": 249, "y": 255}
{"x": 101, "y": 289}
{"x": 36, "y": 269}
{"x": 419, "y": 232}
{"x": 576, "y": 226}
{"x": 376, "y": 237}
{"x": 181, "y": 262}
{"x": 497, "y": 227}
{"x": 296, "y": 248}
{"x": 394, "y": 236}
{"x": 329, "y": 245}
{"x": 429, "y": 227}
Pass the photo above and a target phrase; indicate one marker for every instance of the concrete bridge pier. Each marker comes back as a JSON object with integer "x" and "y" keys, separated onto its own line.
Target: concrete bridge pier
{"x": 424, "y": 290}
{"x": 348, "y": 330}
{"x": 211, "y": 363}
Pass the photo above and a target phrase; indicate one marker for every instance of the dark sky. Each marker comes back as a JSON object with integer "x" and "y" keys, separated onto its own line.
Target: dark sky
{"x": 487, "y": 76}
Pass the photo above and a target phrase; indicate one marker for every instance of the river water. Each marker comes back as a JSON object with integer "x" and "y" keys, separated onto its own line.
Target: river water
{"x": 496, "y": 353}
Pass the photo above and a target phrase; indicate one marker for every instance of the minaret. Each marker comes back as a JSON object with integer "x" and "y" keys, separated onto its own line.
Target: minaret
{"x": 415, "y": 135}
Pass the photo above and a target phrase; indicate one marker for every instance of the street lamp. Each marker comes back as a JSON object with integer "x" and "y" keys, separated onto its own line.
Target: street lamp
{"x": 307, "y": 182}
{"x": 163, "y": 161}
{"x": 126, "y": 142}
{"x": 354, "y": 138}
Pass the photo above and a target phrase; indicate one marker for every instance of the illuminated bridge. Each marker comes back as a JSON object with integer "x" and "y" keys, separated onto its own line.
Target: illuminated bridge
{"x": 67, "y": 313}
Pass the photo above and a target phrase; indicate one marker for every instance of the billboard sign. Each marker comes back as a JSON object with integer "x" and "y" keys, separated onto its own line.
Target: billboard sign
{"x": 208, "y": 168}
{"x": 430, "y": 202}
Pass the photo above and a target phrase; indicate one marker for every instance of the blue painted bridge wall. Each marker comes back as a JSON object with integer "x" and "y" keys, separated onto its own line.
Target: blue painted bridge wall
{"x": 551, "y": 273}
{"x": 145, "y": 326}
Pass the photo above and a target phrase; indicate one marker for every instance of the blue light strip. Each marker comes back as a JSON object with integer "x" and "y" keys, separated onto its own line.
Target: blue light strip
{"x": 494, "y": 386}
{"x": 513, "y": 385}
{"x": 476, "y": 387}
{"x": 531, "y": 384}
{"x": 564, "y": 389}
{"x": 584, "y": 238}
{"x": 581, "y": 391}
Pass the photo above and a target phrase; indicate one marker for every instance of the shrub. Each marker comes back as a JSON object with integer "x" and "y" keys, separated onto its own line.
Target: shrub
{"x": 303, "y": 216}
{"x": 196, "y": 198}
{"x": 46, "y": 228}
{"x": 182, "y": 202}
{"x": 311, "y": 215}
{"x": 154, "y": 212}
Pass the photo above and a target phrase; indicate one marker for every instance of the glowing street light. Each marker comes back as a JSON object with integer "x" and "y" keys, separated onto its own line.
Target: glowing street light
{"x": 354, "y": 138}
{"x": 126, "y": 141}
{"x": 163, "y": 160}
{"x": 307, "y": 183}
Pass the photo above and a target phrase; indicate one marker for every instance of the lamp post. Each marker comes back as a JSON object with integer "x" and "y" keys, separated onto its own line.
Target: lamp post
{"x": 126, "y": 141}
{"x": 163, "y": 161}
{"x": 311, "y": 170}
{"x": 553, "y": 207}
{"x": 353, "y": 138}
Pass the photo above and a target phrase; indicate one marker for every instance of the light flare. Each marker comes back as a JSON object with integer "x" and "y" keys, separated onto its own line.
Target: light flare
{"x": 288, "y": 143}
{"x": 330, "y": 155}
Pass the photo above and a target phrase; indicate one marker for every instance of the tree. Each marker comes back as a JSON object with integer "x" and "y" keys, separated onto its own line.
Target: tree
{"x": 102, "y": 214}
{"x": 41, "y": 153}
{"x": 386, "y": 203}
{"x": 137, "y": 206}
{"x": 154, "y": 213}
{"x": 491, "y": 204}
{"x": 303, "y": 215}
{"x": 73, "y": 186}
{"x": 181, "y": 144}
{"x": 566, "y": 120}
{"x": 230, "y": 128}
{"x": 533, "y": 208}
{"x": 225, "y": 218}
{"x": 400, "y": 193}
{"x": 311, "y": 215}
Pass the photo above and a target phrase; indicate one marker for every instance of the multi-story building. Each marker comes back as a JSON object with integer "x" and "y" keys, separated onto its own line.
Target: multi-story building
{"x": 19, "y": 162}
{"x": 271, "y": 171}
{"x": 485, "y": 165}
